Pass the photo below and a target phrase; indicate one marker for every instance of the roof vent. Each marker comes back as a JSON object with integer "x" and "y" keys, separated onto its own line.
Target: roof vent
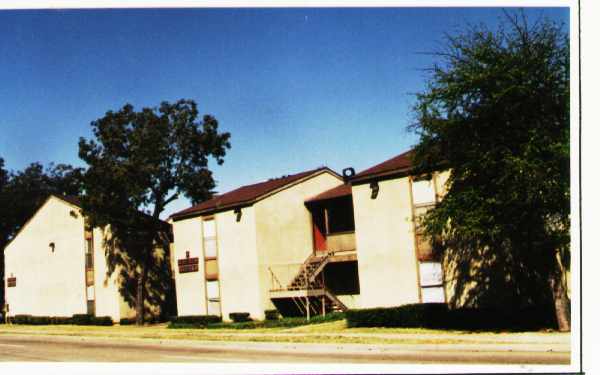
{"x": 348, "y": 173}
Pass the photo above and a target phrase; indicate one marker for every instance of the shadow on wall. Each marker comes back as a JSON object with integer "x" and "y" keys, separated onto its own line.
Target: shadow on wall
{"x": 160, "y": 301}
{"x": 501, "y": 278}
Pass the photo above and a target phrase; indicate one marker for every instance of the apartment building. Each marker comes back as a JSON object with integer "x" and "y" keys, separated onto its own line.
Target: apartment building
{"x": 262, "y": 246}
{"x": 396, "y": 264}
{"x": 312, "y": 243}
{"x": 56, "y": 266}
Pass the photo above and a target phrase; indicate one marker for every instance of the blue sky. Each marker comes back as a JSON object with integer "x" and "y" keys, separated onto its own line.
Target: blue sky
{"x": 297, "y": 88}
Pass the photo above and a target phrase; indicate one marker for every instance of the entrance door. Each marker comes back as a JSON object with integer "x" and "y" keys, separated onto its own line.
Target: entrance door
{"x": 319, "y": 230}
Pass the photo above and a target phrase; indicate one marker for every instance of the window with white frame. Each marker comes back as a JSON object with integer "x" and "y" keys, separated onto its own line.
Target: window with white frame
{"x": 423, "y": 192}
{"x": 431, "y": 278}
{"x": 211, "y": 272}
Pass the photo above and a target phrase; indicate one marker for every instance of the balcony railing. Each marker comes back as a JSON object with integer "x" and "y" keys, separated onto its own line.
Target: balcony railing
{"x": 282, "y": 275}
{"x": 341, "y": 241}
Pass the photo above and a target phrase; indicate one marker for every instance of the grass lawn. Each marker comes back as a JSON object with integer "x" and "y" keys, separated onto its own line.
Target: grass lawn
{"x": 328, "y": 332}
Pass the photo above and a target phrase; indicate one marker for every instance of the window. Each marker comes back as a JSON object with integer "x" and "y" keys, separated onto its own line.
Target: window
{"x": 210, "y": 238}
{"x": 340, "y": 216}
{"x": 423, "y": 192}
{"x": 89, "y": 250}
{"x": 208, "y": 227}
{"x": 90, "y": 293}
{"x": 213, "y": 298}
{"x": 211, "y": 267}
{"x": 210, "y": 247}
{"x": 424, "y": 247}
{"x": 432, "y": 282}
{"x": 430, "y": 273}
{"x": 212, "y": 289}
{"x": 433, "y": 294}
{"x": 431, "y": 277}
{"x": 89, "y": 277}
{"x": 214, "y": 308}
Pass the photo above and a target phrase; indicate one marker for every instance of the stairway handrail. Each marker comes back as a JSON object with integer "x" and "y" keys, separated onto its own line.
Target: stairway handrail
{"x": 274, "y": 278}
{"x": 333, "y": 297}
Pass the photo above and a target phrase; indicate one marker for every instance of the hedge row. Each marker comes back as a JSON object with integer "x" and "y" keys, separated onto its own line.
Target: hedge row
{"x": 281, "y": 323}
{"x": 77, "y": 319}
{"x": 151, "y": 320}
{"x": 252, "y": 324}
{"x": 439, "y": 316}
{"x": 271, "y": 314}
{"x": 196, "y": 320}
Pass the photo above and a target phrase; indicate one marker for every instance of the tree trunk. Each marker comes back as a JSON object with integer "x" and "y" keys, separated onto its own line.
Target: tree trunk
{"x": 140, "y": 296}
{"x": 562, "y": 304}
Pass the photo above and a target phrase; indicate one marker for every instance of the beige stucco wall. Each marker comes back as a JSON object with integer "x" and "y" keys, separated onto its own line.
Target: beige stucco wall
{"x": 109, "y": 301}
{"x": 48, "y": 283}
{"x": 53, "y": 284}
{"x": 387, "y": 264}
{"x": 284, "y": 229}
{"x": 190, "y": 293}
{"x": 351, "y": 301}
{"x": 238, "y": 264}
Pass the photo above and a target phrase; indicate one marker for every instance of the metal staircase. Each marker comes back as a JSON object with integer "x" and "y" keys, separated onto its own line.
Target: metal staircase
{"x": 315, "y": 297}
{"x": 306, "y": 277}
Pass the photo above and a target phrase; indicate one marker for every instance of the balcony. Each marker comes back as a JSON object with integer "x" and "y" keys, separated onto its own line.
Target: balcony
{"x": 341, "y": 242}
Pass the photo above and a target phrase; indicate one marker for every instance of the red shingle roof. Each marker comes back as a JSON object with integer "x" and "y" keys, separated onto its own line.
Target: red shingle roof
{"x": 244, "y": 195}
{"x": 400, "y": 163}
{"x": 338, "y": 191}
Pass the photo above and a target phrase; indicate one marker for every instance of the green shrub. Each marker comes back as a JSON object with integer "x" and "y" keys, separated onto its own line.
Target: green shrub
{"x": 78, "y": 319}
{"x": 39, "y": 320}
{"x": 195, "y": 320}
{"x": 101, "y": 321}
{"x": 271, "y": 314}
{"x": 439, "y": 316}
{"x": 21, "y": 319}
{"x": 82, "y": 319}
{"x": 127, "y": 321}
{"x": 61, "y": 320}
{"x": 187, "y": 322}
{"x": 281, "y": 323}
{"x": 240, "y": 317}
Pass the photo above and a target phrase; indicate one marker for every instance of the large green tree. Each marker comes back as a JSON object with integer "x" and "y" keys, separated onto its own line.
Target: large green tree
{"x": 496, "y": 114}
{"x": 140, "y": 161}
{"x": 22, "y": 193}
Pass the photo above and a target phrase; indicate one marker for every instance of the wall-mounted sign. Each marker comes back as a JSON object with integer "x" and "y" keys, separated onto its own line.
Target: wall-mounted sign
{"x": 188, "y": 264}
{"x": 11, "y": 282}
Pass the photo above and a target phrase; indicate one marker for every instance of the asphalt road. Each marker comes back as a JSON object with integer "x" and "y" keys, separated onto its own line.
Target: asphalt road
{"x": 77, "y": 349}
